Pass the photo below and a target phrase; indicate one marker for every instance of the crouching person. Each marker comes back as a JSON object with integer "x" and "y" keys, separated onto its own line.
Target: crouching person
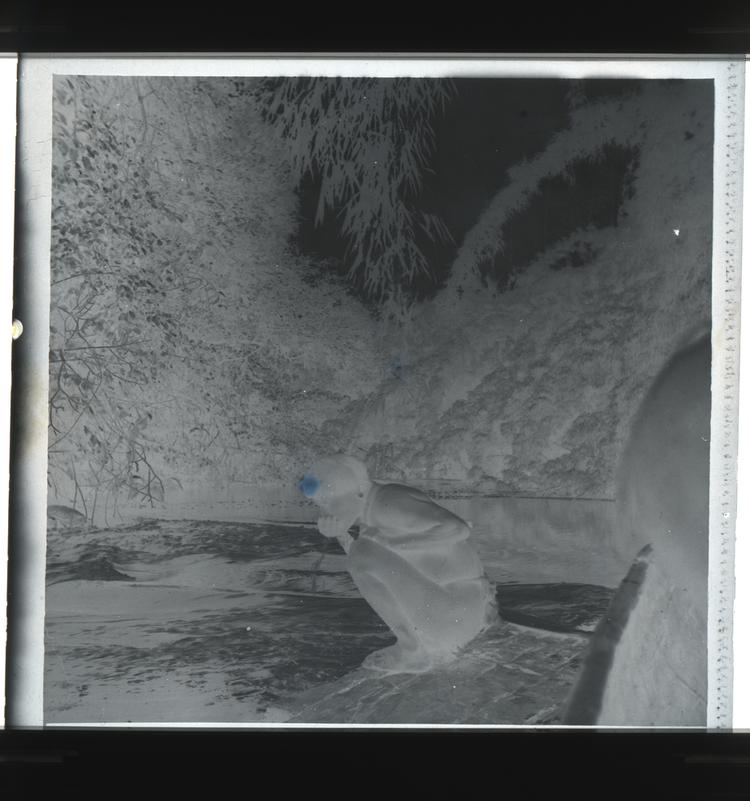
{"x": 412, "y": 561}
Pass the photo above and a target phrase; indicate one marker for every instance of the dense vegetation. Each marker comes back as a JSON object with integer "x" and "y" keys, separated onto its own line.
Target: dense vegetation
{"x": 365, "y": 143}
{"x": 195, "y": 338}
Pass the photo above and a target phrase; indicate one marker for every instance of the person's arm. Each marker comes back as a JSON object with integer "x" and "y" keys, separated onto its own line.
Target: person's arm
{"x": 330, "y": 526}
{"x": 409, "y": 518}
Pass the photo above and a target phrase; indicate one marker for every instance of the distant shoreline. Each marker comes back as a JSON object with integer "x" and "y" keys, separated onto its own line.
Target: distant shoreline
{"x": 290, "y": 511}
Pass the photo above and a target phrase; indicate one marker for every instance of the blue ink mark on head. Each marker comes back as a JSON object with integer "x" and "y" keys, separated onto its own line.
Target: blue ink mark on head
{"x": 309, "y": 485}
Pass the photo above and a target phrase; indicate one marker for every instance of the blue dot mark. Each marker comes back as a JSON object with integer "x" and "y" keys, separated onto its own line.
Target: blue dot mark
{"x": 396, "y": 368}
{"x": 309, "y": 485}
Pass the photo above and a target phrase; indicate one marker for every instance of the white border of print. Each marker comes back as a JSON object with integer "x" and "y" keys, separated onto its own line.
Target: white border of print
{"x": 8, "y": 72}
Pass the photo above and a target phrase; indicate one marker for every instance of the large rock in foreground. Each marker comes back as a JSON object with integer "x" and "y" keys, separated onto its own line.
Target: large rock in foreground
{"x": 509, "y": 675}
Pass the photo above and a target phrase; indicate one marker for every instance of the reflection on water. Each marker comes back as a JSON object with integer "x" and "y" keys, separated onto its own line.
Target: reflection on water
{"x": 544, "y": 539}
{"x": 213, "y": 621}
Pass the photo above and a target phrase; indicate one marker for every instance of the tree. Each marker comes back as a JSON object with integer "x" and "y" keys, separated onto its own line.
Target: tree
{"x": 133, "y": 214}
{"x": 366, "y": 143}
{"x": 610, "y": 129}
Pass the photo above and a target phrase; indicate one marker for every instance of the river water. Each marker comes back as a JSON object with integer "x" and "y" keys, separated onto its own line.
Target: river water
{"x": 259, "y": 622}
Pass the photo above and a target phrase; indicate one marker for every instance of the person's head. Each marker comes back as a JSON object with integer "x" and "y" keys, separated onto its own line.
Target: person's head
{"x": 338, "y": 484}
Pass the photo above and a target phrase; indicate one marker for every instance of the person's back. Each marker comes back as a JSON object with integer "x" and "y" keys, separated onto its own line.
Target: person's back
{"x": 432, "y": 538}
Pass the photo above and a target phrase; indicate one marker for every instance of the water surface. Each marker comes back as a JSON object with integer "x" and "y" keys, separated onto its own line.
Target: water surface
{"x": 195, "y": 620}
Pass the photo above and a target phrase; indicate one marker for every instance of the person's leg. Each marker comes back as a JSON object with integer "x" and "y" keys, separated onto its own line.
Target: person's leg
{"x": 425, "y": 617}
{"x": 407, "y": 654}
{"x": 375, "y": 573}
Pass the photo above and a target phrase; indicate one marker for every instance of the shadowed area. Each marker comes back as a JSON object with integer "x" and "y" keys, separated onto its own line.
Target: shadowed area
{"x": 555, "y": 607}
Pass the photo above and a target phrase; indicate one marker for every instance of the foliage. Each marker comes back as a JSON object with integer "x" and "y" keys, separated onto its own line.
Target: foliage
{"x": 367, "y": 142}
{"x": 596, "y": 131}
{"x": 534, "y": 392}
{"x": 183, "y": 342}
{"x": 182, "y": 345}
{"x": 135, "y": 220}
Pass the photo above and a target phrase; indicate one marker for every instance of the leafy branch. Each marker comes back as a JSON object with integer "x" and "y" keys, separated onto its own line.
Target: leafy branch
{"x": 366, "y": 143}
{"x": 593, "y": 130}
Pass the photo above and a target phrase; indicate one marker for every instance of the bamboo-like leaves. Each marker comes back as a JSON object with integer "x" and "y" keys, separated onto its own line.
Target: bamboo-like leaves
{"x": 367, "y": 142}
{"x": 592, "y": 131}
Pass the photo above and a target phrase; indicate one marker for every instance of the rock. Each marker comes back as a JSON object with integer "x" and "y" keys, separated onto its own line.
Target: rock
{"x": 507, "y": 675}
{"x": 62, "y": 517}
{"x": 647, "y": 664}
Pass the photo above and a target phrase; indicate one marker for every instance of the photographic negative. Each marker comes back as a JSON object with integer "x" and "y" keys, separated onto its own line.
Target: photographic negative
{"x": 386, "y": 397}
